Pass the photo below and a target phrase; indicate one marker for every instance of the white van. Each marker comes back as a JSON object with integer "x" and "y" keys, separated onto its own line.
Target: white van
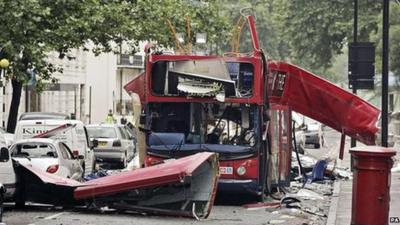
{"x": 71, "y": 132}
{"x": 7, "y": 174}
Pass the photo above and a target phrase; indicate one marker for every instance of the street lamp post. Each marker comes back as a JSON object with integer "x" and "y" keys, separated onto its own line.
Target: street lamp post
{"x": 385, "y": 72}
{"x": 355, "y": 37}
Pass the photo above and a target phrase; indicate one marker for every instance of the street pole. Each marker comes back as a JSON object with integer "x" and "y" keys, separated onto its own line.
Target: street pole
{"x": 26, "y": 98}
{"x": 355, "y": 34}
{"x": 90, "y": 104}
{"x": 385, "y": 72}
{"x": 120, "y": 82}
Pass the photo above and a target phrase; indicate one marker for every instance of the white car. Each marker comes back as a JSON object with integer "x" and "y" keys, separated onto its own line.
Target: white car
{"x": 47, "y": 155}
{"x": 115, "y": 143}
{"x": 71, "y": 132}
{"x": 312, "y": 135}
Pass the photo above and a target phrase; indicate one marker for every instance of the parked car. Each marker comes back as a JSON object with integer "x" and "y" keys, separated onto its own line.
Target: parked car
{"x": 7, "y": 173}
{"x": 14, "y": 189}
{"x": 2, "y": 193}
{"x": 6, "y": 137}
{"x": 131, "y": 132}
{"x": 115, "y": 143}
{"x": 71, "y": 132}
{"x": 313, "y": 135}
{"x": 48, "y": 155}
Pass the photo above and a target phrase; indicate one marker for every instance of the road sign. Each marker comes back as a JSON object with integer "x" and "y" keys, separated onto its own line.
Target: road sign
{"x": 361, "y": 65}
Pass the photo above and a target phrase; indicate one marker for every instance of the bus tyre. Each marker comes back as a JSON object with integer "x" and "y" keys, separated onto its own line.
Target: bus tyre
{"x": 268, "y": 180}
{"x": 262, "y": 197}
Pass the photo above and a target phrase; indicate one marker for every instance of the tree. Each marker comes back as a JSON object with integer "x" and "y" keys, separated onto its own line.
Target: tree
{"x": 267, "y": 27}
{"x": 31, "y": 29}
{"x": 394, "y": 41}
{"x": 316, "y": 31}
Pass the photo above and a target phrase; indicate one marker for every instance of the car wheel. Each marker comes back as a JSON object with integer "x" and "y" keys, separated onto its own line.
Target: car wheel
{"x": 94, "y": 164}
{"x": 1, "y": 205}
{"x": 124, "y": 162}
{"x": 84, "y": 169}
{"x": 317, "y": 145}
{"x": 20, "y": 199}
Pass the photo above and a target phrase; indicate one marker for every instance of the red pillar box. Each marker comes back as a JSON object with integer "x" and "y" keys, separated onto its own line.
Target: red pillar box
{"x": 371, "y": 185}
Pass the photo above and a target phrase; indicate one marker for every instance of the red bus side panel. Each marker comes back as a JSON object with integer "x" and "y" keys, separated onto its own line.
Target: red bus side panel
{"x": 323, "y": 101}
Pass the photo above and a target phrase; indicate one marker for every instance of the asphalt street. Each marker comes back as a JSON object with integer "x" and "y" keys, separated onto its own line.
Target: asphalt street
{"x": 221, "y": 214}
{"x": 228, "y": 209}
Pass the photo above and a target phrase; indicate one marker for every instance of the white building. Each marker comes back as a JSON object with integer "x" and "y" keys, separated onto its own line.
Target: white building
{"x": 88, "y": 87}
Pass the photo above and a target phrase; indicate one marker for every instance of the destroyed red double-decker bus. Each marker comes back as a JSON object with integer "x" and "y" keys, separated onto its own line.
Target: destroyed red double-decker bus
{"x": 210, "y": 103}
{"x": 239, "y": 107}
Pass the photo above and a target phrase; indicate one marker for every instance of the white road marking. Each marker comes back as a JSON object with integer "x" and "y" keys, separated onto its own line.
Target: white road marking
{"x": 53, "y": 216}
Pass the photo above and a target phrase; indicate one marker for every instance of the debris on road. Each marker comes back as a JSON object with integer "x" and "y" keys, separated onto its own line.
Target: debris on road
{"x": 96, "y": 174}
{"x": 182, "y": 187}
{"x": 343, "y": 173}
{"x": 308, "y": 194}
{"x": 262, "y": 205}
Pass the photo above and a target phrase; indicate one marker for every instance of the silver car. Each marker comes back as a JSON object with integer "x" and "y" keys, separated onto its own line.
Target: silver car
{"x": 115, "y": 143}
{"x": 314, "y": 135}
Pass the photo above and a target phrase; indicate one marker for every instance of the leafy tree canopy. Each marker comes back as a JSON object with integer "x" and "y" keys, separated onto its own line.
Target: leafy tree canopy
{"x": 31, "y": 29}
{"x": 394, "y": 41}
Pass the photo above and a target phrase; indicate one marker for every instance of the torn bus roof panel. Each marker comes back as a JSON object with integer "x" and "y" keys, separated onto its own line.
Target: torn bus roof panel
{"x": 185, "y": 187}
{"x": 169, "y": 172}
{"x": 137, "y": 86}
{"x": 48, "y": 178}
{"x": 323, "y": 101}
{"x": 182, "y": 187}
{"x": 45, "y": 188}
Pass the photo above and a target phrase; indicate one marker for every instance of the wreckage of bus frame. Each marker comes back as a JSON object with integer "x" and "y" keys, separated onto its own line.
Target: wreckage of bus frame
{"x": 239, "y": 106}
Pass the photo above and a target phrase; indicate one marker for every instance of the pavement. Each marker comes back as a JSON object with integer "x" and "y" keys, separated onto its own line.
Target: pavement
{"x": 340, "y": 210}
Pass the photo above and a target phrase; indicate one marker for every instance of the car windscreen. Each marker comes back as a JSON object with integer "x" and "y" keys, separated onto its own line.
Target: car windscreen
{"x": 34, "y": 150}
{"x": 101, "y": 132}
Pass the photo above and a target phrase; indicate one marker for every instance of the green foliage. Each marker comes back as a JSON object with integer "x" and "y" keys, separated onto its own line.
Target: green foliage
{"x": 31, "y": 29}
{"x": 309, "y": 33}
{"x": 394, "y": 41}
{"x": 318, "y": 30}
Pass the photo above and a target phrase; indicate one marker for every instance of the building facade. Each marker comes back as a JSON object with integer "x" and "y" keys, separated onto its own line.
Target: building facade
{"x": 87, "y": 89}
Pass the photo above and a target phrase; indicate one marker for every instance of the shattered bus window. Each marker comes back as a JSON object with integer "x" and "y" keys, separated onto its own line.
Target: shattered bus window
{"x": 243, "y": 75}
{"x": 202, "y": 78}
{"x": 201, "y": 126}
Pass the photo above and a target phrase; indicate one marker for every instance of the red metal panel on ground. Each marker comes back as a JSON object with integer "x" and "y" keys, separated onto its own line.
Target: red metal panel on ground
{"x": 325, "y": 102}
{"x": 173, "y": 171}
{"x": 137, "y": 85}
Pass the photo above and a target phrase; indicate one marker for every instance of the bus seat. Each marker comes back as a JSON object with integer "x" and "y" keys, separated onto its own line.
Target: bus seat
{"x": 166, "y": 139}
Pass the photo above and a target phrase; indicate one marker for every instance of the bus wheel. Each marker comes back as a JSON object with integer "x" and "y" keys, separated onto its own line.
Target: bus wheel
{"x": 262, "y": 198}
